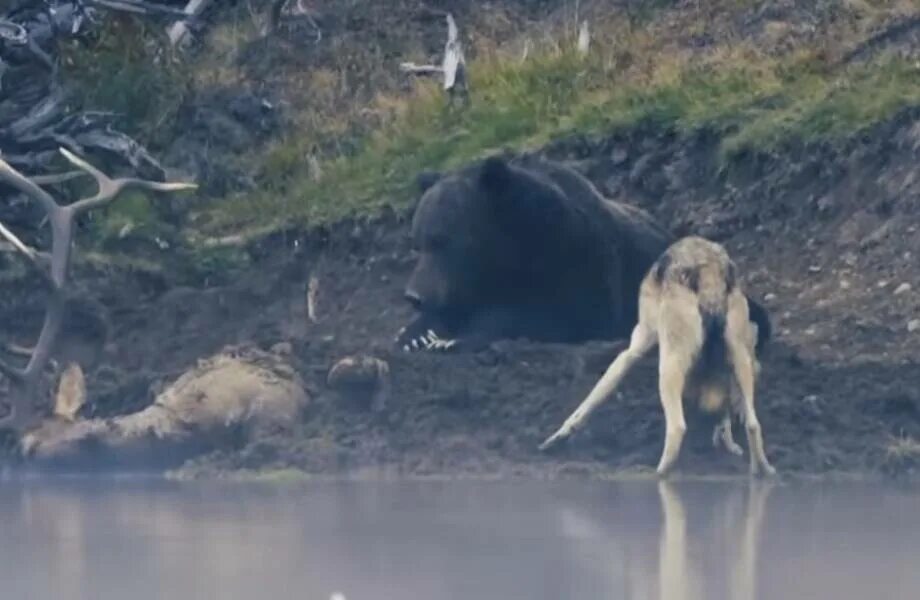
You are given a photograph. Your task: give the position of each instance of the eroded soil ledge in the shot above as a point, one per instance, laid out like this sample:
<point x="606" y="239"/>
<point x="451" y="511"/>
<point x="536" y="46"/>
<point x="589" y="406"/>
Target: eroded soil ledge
<point x="826" y="234"/>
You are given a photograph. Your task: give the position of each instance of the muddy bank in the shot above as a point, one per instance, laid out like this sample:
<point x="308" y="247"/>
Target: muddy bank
<point x="825" y="234"/>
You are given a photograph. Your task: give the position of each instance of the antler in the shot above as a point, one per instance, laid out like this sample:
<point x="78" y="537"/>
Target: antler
<point x="55" y="266"/>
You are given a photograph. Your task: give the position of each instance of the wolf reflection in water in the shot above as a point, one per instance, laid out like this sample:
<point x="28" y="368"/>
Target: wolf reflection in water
<point x="670" y="572"/>
<point x="98" y="539"/>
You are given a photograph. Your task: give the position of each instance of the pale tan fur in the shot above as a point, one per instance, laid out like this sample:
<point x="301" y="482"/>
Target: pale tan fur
<point x="670" y="315"/>
<point x="71" y="393"/>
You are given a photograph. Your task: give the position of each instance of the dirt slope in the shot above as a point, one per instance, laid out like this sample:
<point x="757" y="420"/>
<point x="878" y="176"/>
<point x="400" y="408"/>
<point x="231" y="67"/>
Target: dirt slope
<point x="825" y="235"/>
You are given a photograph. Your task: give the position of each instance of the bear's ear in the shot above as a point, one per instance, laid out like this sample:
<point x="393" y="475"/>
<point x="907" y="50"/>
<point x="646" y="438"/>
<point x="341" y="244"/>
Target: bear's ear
<point x="494" y="173"/>
<point x="426" y="179"/>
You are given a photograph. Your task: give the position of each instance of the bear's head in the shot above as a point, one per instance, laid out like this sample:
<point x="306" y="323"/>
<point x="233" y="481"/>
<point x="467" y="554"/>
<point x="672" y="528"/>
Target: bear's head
<point x="482" y="235"/>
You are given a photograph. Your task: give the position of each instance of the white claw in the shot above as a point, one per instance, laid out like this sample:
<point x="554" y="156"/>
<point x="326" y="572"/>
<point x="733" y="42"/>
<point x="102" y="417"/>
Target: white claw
<point x="436" y="343"/>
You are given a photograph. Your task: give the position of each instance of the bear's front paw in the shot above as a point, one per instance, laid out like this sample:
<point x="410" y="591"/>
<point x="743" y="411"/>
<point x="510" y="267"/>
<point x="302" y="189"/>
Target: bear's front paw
<point x="434" y="342"/>
<point x="429" y="340"/>
<point x="414" y="335"/>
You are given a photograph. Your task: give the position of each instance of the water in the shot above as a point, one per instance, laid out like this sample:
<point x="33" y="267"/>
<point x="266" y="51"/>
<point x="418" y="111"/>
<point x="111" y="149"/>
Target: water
<point x="100" y="539"/>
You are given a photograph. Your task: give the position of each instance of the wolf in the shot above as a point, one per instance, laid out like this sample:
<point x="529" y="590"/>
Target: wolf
<point x="692" y="305"/>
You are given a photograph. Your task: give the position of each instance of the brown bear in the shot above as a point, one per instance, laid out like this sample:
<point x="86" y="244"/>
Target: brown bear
<point x="527" y="248"/>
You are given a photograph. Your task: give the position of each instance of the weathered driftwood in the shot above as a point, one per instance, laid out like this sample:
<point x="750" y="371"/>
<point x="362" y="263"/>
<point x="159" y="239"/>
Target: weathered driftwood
<point x="35" y="118"/>
<point x="453" y="65"/>
<point x="239" y="394"/>
<point x="35" y="115"/>
<point x="179" y="31"/>
<point x="54" y="266"/>
<point x="584" y="39"/>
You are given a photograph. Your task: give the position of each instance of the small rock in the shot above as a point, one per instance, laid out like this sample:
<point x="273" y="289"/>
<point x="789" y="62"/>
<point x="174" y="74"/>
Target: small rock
<point x="362" y="376"/>
<point x="902" y="289"/>
<point x="844" y="284"/>
<point x="881" y="284"/>
<point x="825" y="203"/>
<point x="619" y="156"/>
<point x="641" y="167"/>
<point x="814" y="269"/>
<point x="876" y="237"/>
<point x="769" y="297"/>
<point x="282" y="349"/>
<point x="812" y="404"/>
<point x="913" y="325"/>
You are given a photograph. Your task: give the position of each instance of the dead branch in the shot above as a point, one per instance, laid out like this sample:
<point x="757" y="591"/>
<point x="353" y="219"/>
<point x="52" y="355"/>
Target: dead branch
<point x="452" y="67"/>
<point x="36" y="115"/>
<point x="179" y="31"/>
<point x="62" y="219"/>
<point x="414" y="69"/>
<point x="584" y="38"/>
<point x="312" y="293"/>
<point x="138" y="7"/>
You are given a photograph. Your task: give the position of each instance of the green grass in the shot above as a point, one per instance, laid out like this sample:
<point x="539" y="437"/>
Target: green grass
<point x="757" y="103"/>
<point x="128" y="68"/>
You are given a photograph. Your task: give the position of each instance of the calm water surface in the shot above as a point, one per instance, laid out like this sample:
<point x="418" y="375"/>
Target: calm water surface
<point x="137" y="539"/>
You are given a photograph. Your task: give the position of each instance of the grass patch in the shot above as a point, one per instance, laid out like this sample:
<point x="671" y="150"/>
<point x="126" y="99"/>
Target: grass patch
<point x="128" y="68"/>
<point x="357" y="141"/>
<point x="759" y="103"/>
<point x="815" y="107"/>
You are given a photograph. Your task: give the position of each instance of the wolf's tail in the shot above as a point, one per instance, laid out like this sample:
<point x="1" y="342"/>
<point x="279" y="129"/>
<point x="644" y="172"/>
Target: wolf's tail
<point x="713" y="352"/>
<point x="761" y="318"/>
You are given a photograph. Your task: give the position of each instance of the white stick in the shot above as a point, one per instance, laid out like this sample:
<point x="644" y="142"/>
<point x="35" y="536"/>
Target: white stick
<point x="178" y="30"/>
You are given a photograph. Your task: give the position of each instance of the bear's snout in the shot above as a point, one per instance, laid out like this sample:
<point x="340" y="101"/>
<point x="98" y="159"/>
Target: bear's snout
<point x="426" y="289"/>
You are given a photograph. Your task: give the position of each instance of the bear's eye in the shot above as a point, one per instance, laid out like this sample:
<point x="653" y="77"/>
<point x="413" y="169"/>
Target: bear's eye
<point x="436" y="242"/>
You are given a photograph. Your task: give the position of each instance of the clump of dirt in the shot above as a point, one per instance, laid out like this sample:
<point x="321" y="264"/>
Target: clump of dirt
<point x="824" y="233"/>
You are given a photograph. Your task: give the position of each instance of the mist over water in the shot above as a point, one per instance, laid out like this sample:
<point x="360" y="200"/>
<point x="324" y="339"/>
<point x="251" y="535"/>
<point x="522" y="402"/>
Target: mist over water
<point x="139" y="539"/>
